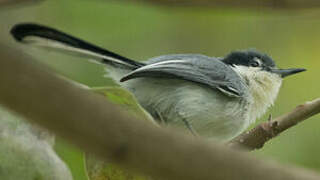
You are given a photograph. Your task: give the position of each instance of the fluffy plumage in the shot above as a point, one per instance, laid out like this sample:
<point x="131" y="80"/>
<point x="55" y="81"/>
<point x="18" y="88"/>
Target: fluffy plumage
<point x="263" y="87"/>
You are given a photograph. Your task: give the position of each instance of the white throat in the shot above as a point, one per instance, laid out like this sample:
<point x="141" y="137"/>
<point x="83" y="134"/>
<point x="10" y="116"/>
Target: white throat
<point x="263" y="86"/>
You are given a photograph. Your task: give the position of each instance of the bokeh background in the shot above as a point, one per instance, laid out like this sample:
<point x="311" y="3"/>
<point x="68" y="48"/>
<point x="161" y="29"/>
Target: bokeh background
<point x="141" y="31"/>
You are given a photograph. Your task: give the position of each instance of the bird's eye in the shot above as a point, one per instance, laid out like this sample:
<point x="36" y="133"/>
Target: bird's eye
<point x="255" y="63"/>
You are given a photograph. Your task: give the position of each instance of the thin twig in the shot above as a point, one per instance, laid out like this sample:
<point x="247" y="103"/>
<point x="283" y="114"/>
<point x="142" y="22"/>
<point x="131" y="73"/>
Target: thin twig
<point x="258" y="136"/>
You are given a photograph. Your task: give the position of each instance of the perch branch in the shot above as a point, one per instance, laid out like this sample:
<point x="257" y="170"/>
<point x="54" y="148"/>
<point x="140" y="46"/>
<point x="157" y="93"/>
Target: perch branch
<point x="100" y="127"/>
<point x="258" y="136"/>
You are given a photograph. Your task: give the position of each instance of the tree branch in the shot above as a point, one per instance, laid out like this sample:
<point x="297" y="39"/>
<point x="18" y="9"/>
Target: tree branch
<point x="100" y="127"/>
<point x="258" y="136"/>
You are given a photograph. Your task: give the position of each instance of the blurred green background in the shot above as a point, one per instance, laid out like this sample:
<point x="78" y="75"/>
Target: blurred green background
<point x="140" y="31"/>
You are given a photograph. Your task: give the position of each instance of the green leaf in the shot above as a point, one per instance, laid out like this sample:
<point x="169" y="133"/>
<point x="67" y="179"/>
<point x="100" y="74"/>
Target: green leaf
<point x="102" y="170"/>
<point x="73" y="157"/>
<point x="125" y="99"/>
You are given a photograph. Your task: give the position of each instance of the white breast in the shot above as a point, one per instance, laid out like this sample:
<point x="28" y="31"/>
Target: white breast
<point x="210" y="112"/>
<point x="264" y="87"/>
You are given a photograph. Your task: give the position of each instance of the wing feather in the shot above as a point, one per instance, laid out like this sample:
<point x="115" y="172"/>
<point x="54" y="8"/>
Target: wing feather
<point x="210" y="72"/>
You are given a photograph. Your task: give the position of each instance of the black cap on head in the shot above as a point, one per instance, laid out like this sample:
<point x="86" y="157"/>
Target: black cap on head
<point x="248" y="58"/>
<point x="253" y="58"/>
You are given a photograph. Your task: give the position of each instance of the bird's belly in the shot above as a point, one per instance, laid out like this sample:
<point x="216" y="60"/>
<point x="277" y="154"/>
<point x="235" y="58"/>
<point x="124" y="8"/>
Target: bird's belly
<point x="210" y="113"/>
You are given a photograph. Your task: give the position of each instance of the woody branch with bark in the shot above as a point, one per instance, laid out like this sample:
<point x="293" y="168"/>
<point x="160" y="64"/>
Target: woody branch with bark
<point x="258" y="136"/>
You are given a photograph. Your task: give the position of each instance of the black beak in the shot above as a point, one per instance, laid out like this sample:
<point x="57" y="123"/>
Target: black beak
<point x="287" y="72"/>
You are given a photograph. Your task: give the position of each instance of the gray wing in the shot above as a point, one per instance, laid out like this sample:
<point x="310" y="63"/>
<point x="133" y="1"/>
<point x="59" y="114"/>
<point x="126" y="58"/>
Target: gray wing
<point x="196" y="68"/>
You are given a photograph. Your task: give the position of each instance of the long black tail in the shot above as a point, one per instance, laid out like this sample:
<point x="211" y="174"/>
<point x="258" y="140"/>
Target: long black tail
<point x="39" y="35"/>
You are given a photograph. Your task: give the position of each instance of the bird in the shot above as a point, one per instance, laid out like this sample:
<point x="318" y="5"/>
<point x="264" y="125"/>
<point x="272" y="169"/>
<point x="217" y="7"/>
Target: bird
<point x="211" y="97"/>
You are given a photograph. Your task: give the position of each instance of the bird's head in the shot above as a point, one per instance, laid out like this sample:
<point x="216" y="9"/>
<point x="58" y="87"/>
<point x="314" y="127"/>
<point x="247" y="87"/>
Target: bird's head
<point x="261" y="75"/>
<point x="254" y="61"/>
